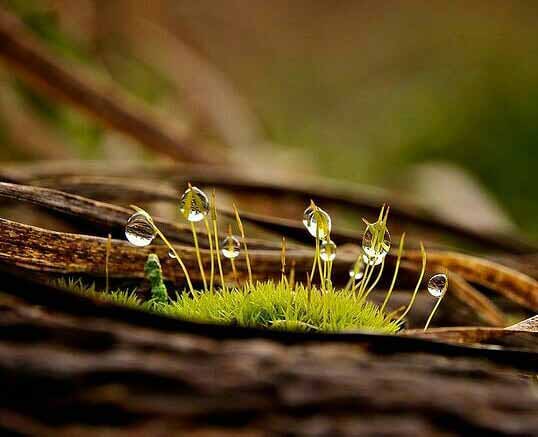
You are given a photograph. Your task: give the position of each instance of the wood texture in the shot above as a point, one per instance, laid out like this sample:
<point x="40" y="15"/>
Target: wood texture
<point x="329" y="193"/>
<point x="121" y="374"/>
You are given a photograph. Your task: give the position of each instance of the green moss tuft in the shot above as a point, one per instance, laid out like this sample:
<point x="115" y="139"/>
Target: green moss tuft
<point x="276" y="305"/>
<point x="120" y="297"/>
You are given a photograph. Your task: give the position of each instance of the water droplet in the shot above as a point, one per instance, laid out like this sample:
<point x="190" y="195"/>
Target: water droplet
<point x="437" y="285"/>
<point x="306" y="215"/>
<point x="358" y="275"/>
<point x="139" y="230"/>
<point x="171" y="254"/>
<point x="328" y="251"/>
<point x="357" y="270"/>
<point x="373" y="261"/>
<point x="311" y="219"/>
<point x="199" y="204"/>
<point x="373" y="244"/>
<point x="230" y="247"/>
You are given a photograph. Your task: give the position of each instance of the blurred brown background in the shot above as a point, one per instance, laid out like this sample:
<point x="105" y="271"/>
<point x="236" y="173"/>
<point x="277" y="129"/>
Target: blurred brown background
<point x="432" y="99"/>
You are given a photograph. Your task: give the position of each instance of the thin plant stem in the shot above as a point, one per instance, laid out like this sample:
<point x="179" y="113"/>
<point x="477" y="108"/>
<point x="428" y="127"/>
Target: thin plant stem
<point x="320" y="270"/>
<point x="211" y="254"/>
<point x="433" y="311"/>
<point x="234" y="271"/>
<point x="350" y="282"/>
<point x="315" y="262"/>
<point x="318" y="252"/>
<point x="365" y="278"/>
<point x="291" y="280"/>
<point x="283" y="260"/>
<point x="365" y="282"/>
<point x="395" y="312"/>
<point x="176" y="255"/>
<point x="107" y="261"/>
<point x="242" y="231"/>
<point x="393" y="283"/>
<point x="232" y="262"/>
<point x="330" y="271"/>
<point x="421" y="276"/>
<point x="198" y="254"/>
<point x="217" y="250"/>
<point x="216" y="235"/>
<point x="378" y="277"/>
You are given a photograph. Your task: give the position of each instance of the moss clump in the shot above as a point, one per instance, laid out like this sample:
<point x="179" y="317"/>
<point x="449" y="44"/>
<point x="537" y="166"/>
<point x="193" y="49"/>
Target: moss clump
<point x="120" y="297"/>
<point x="277" y="305"/>
<point x="265" y="304"/>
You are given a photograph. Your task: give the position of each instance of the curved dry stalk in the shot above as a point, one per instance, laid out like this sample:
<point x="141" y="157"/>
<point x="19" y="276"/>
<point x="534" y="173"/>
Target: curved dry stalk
<point x="481" y="305"/>
<point x="364" y="200"/>
<point x="106" y="216"/>
<point x="510" y="283"/>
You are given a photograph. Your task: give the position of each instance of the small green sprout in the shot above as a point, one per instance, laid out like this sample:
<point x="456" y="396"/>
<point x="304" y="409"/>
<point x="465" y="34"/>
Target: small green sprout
<point x="154" y="274"/>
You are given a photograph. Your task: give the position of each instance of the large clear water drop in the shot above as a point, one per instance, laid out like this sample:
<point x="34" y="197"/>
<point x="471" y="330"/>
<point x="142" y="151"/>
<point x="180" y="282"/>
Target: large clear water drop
<point x="328" y="251"/>
<point x="317" y="222"/>
<point x="376" y="240"/>
<point x="139" y="230"/>
<point x="437" y="285"/>
<point x="197" y="208"/>
<point x="230" y="247"/>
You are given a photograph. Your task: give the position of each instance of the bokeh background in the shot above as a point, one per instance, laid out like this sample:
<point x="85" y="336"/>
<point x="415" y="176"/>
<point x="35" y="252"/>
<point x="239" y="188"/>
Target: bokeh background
<point x="431" y="99"/>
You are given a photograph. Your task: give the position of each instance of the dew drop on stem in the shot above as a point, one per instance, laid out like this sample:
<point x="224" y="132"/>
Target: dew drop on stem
<point x="194" y="204"/>
<point x="230" y="247"/>
<point x="139" y="230"/>
<point x="437" y="285"/>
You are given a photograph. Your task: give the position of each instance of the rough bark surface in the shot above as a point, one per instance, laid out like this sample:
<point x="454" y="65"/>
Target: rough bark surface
<point x="76" y="373"/>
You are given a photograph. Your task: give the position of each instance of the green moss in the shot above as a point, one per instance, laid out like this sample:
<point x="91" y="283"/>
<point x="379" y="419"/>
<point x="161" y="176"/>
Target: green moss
<point x="120" y="297"/>
<point x="266" y="305"/>
<point x="276" y="305"/>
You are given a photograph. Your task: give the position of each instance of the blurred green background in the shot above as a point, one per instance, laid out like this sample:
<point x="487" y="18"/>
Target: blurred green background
<point x="432" y="99"/>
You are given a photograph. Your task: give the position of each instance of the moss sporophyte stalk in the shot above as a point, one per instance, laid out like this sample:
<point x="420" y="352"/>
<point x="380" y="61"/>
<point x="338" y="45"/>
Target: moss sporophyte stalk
<point x="286" y="304"/>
